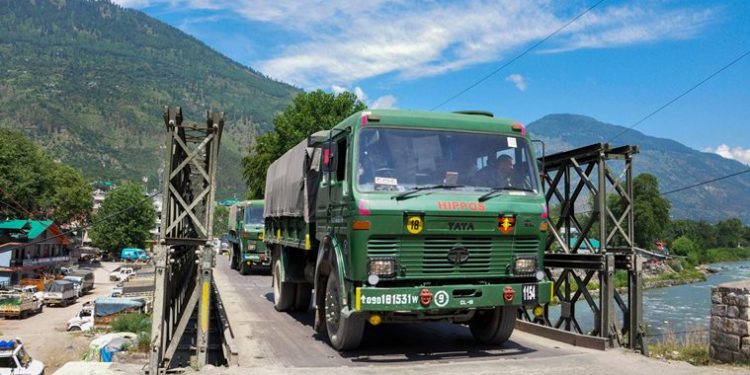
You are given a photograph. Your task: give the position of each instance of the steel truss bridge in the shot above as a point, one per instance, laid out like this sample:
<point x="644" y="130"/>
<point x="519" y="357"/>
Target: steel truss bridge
<point x="589" y="191"/>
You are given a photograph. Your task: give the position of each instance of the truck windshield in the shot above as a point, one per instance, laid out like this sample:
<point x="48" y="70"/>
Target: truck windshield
<point x="403" y="159"/>
<point x="254" y="215"/>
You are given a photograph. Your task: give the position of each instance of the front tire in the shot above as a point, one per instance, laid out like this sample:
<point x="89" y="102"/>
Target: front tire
<point x="233" y="257"/>
<point x="283" y="292"/>
<point x="344" y="333"/>
<point x="244" y="269"/>
<point x="495" y="326"/>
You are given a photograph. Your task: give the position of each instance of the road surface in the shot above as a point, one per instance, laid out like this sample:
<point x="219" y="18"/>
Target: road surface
<point x="271" y="342"/>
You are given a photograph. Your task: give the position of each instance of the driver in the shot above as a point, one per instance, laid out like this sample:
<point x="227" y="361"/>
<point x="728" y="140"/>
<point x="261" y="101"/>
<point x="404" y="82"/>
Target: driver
<point x="372" y="163"/>
<point x="503" y="171"/>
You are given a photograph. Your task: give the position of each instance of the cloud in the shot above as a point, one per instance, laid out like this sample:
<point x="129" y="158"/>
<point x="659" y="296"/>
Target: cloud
<point x="346" y="41"/>
<point x="338" y="89"/>
<point x="518" y="80"/>
<point x="740" y="154"/>
<point x="385" y="101"/>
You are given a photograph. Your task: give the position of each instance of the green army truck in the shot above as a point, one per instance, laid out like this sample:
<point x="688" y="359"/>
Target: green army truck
<point x="400" y="216"/>
<point x="246" y="236"/>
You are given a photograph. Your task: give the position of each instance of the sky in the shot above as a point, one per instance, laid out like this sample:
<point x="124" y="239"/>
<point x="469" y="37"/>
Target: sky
<point x="617" y="63"/>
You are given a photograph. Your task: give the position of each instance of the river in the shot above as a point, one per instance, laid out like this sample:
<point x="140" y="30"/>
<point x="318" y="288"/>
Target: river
<point x="687" y="308"/>
<point x="679" y="309"/>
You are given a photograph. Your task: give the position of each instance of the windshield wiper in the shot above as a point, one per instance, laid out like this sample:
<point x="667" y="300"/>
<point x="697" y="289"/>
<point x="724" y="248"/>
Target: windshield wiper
<point x="499" y="189"/>
<point x="410" y="193"/>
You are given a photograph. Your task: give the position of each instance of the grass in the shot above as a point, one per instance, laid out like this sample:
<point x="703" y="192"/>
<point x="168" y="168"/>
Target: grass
<point x="691" y="347"/>
<point x="138" y="323"/>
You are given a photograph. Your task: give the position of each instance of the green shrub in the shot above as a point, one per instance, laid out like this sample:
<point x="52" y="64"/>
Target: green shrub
<point x="134" y="322"/>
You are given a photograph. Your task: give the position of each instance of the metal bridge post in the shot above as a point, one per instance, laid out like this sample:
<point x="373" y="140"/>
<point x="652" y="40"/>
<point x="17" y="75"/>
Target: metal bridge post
<point x="575" y="179"/>
<point x="184" y="256"/>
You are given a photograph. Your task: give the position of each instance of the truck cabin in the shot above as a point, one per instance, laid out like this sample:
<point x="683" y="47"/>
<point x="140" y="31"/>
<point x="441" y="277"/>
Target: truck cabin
<point x="459" y="181"/>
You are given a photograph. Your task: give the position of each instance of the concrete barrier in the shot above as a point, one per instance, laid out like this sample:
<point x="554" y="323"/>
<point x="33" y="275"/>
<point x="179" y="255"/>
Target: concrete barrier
<point x="730" y="322"/>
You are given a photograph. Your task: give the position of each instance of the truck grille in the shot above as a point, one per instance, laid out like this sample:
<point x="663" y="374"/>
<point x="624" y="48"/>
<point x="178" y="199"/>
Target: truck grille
<point x="428" y="256"/>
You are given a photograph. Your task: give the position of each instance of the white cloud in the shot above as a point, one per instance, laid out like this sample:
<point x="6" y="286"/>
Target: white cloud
<point x="345" y="41"/>
<point x="385" y="101"/>
<point x="518" y="80"/>
<point x="338" y="89"/>
<point x="740" y="154"/>
<point x="360" y="94"/>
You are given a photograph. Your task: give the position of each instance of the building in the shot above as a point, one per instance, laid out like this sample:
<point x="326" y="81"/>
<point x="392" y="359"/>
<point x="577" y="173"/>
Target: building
<point x="29" y="248"/>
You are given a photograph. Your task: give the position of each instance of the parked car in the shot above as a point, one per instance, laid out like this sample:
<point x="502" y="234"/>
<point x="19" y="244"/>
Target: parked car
<point x="83" y="280"/>
<point x="133" y="254"/>
<point x="82" y="320"/>
<point x="121" y="274"/>
<point x="60" y="292"/>
<point x="14" y="359"/>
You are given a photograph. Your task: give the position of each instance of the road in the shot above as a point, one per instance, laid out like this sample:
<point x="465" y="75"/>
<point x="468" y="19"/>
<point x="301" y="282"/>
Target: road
<point x="44" y="335"/>
<point x="272" y="342"/>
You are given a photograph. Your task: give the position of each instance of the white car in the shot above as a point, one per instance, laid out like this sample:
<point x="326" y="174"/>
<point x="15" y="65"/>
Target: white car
<point x="15" y="361"/>
<point x="121" y="274"/>
<point x="83" y="320"/>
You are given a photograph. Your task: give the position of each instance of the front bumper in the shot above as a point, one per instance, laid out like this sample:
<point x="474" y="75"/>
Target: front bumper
<point x="256" y="258"/>
<point x="450" y="297"/>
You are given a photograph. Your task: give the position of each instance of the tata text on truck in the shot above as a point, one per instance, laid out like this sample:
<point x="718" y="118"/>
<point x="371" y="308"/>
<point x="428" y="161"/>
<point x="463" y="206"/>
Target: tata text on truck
<point x="397" y="216"/>
<point x="246" y="236"/>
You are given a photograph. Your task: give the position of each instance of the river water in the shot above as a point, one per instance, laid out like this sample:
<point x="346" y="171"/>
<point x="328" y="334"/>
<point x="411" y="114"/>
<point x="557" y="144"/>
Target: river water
<point x="687" y="308"/>
<point x="681" y="309"/>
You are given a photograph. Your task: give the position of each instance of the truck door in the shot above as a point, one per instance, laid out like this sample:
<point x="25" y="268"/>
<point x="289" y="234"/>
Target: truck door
<point x="336" y="191"/>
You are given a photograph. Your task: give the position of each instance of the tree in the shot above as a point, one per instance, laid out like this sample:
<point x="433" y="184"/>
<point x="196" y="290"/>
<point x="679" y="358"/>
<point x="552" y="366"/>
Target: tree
<point x="650" y="209"/>
<point x="31" y="184"/>
<point x="309" y="112"/>
<point x="684" y="246"/>
<point x="729" y="232"/>
<point x="124" y="219"/>
<point x="70" y="199"/>
<point x="221" y="220"/>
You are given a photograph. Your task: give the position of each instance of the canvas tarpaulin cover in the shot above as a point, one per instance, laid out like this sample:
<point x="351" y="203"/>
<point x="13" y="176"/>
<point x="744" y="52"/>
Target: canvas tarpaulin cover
<point x="292" y="182"/>
<point x="105" y="306"/>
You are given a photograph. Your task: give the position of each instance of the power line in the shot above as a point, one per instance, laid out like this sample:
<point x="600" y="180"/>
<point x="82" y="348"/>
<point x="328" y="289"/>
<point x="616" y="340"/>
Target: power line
<point x="18" y="205"/>
<point x="706" y="182"/>
<point x="678" y="97"/>
<point x="535" y="45"/>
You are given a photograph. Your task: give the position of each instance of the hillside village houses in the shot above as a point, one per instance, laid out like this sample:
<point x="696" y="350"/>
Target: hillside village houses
<point x="29" y="248"/>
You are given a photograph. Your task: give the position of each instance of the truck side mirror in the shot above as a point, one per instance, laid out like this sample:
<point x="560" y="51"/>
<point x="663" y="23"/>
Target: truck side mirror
<point x="330" y="156"/>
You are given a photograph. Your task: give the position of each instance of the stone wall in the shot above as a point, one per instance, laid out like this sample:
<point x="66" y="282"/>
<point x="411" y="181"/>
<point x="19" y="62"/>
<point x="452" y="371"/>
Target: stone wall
<point x="730" y="322"/>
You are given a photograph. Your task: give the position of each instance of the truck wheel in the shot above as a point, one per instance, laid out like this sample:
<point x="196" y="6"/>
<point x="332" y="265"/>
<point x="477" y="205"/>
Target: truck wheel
<point x="283" y="292"/>
<point x="24" y="314"/>
<point x="244" y="268"/>
<point x="344" y="333"/>
<point x="232" y="259"/>
<point x="493" y="326"/>
<point x="302" y="297"/>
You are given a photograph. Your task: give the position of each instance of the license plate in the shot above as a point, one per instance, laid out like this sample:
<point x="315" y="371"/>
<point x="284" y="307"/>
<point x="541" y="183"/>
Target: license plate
<point x="528" y="293"/>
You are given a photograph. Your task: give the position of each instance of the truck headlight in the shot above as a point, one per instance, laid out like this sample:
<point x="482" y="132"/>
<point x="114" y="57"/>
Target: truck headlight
<point x="524" y="266"/>
<point x="382" y="267"/>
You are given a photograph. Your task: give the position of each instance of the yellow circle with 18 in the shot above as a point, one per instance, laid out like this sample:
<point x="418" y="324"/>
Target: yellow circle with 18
<point x="414" y="224"/>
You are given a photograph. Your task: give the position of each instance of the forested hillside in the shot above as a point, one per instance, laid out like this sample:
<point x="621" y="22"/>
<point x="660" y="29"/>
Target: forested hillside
<point x="674" y="164"/>
<point x="88" y="79"/>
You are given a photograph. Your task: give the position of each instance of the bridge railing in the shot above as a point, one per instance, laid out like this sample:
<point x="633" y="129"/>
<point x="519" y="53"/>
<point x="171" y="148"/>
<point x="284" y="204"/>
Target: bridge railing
<point x="589" y="191"/>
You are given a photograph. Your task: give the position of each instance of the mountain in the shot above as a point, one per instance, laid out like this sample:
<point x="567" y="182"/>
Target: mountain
<point x="674" y="164"/>
<point x="88" y="80"/>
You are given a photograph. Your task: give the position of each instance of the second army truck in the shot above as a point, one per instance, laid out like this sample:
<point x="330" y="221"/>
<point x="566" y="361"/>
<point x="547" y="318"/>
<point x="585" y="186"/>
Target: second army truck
<point x="247" y="249"/>
<point x="400" y="216"/>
